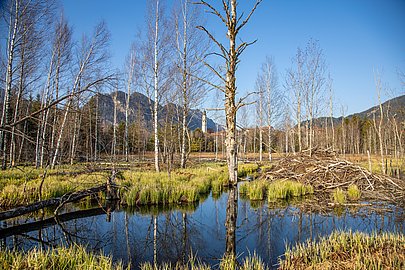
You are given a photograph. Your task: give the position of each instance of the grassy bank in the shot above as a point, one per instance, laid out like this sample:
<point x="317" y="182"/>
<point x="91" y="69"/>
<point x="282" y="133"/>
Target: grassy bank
<point x="21" y="186"/>
<point x="347" y="250"/>
<point x="74" y="257"/>
<point x="227" y="263"/>
<point x="340" y="250"/>
<point x="181" y="186"/>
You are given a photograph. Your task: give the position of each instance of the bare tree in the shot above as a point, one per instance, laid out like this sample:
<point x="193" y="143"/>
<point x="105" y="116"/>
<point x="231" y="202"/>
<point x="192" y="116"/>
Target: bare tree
<point x="234" y="23"/>
<point x="259" y="86"/>
<point x="191" y="46"/>
<point x="60" y="59"/>
<point x="378" y="128"/>
<point x="131" y="64"/>
<point x="154" y="65"/>
<point x="273" y="98"/>
<point x="330" y="87"/>
<point x="25" y="21"/>
<point x="307" y="81"/>
<point x="295" y="84"/>
<point x="92" y="56"/>
<point x="343" y="110"/>
<point x="314" y="83"/>
<point x="231" y="55"/>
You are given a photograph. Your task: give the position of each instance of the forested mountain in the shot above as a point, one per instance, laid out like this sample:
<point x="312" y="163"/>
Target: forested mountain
<point x="140" y="111"/>
<point x="392" y="107"/>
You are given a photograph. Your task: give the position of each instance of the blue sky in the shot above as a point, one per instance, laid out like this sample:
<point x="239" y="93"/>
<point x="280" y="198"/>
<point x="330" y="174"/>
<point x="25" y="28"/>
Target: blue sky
<point x="357" y="37"/>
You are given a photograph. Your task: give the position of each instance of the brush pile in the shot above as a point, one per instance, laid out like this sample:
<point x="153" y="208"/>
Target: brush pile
<point x="325" y="172"/>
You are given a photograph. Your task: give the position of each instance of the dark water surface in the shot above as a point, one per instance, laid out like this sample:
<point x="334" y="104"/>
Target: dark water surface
<point x="151" y="233"/>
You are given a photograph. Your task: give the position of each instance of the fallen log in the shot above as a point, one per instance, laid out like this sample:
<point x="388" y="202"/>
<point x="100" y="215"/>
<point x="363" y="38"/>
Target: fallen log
<point x="42" y="224"/>
<point x="66" y="198"/>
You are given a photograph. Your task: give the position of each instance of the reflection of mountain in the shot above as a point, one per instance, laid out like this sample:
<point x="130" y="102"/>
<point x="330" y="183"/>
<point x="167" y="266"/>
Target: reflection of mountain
<point x="140" y="110"/>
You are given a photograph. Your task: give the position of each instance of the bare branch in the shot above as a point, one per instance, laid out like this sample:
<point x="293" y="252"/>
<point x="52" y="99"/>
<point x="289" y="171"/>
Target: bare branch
<point x="248" y="17"/>
<point x="243" y="46"/>
<point x="213" y="10"/>
<point x="208" y="82"/>
<point x="241" y="103"/>
<point x="221" y="47"/>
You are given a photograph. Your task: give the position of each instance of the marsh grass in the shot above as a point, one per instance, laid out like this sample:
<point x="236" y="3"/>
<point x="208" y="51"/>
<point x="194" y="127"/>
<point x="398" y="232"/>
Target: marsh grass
<point x="226" y="263"/>
<point x="248" y="169"/>
<point x="192" y="263"/>
<point x="75" y="257"/>
<point x="339" y="196"/>
<point x="287" y="189"/>
<point x="278" y="190"/>
<point x="248" y="263"/>
<point x="353" y="193"/>
<point x="182" y="186"/>
<point x="256" y="190"/>
<point x="20" y="187"/>
<point x="348" y="250"/>
<point x="15" y="191"/>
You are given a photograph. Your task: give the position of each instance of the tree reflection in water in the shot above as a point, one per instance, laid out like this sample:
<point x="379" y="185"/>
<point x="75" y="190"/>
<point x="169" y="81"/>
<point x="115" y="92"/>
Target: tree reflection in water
<point x="158" y="234"/>
<point x="230" y="222"/>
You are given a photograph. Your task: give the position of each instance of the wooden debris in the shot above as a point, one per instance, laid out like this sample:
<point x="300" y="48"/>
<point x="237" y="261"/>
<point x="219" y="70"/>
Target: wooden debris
<point x="325" y="172"/>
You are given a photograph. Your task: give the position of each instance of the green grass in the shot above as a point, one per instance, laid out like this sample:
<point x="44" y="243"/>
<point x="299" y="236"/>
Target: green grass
<point x="21" y="186"/>
<point x="248" y="263"/>
<point x="286" y="189"/>
<point x="353" y="193"/>
<point x="74" y="257"/>
<point x="247" y="169"/>
<point x="339" y="196"/>
<point x="226" y="263"/>
<point x="14" y="191"/>
<point x="281" y="189"/>
<point x="256" y="190"/>
<point x="347" y="250"/>
<point x="182" y="186"/>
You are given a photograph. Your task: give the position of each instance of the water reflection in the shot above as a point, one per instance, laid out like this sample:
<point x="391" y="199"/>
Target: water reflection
<point x="158" y="234"/>
<point x="230" y="222"/>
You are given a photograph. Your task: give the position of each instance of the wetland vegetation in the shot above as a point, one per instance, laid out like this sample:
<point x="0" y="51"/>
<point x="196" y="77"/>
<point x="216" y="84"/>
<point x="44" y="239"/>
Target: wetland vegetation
<point x="173" y="210"/>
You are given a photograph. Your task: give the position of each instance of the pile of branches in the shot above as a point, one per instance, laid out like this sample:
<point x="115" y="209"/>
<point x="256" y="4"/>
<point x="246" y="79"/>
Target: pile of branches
<point x="325" y="172"/>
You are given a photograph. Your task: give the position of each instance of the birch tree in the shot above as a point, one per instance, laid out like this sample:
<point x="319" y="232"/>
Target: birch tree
<point x="273" y="99"/>
<point x="306" y="81"/>
<point x="92" y="56"/>
<point x="24" y="21"/>
<point x="154" y="66"/>
<point x="191" y="47"/>
<point x="131" y="65"/>
<point x="378" y="128"/>
<point x="314" y="82"/>
<point x="294" y="84"/>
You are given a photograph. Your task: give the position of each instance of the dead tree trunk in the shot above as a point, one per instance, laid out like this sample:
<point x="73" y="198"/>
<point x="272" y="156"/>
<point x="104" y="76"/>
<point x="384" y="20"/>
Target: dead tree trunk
<point x="234" y="24"/>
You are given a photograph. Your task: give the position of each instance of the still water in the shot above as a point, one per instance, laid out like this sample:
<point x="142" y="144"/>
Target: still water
<point x="169" y="235"/>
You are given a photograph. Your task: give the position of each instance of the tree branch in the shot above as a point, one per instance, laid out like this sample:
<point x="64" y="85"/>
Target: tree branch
<point x="248" y="17"/>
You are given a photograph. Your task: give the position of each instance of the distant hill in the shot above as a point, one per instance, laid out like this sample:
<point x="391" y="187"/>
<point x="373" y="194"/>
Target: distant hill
<point x="140" y="109"/>
<point x="395" y="106"/>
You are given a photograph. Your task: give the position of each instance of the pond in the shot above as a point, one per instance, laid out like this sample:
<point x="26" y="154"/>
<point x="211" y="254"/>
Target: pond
<point x="169" y="235"/>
